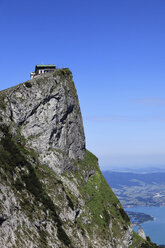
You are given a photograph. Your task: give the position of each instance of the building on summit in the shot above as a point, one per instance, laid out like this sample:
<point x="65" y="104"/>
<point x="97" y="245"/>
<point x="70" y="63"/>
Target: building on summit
<point x="42" y="69"/>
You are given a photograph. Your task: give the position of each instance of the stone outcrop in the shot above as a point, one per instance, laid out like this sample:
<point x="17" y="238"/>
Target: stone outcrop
<point x="47" y="111"/>
<point x="52" y="193"/>
<point x="141" y="233"/>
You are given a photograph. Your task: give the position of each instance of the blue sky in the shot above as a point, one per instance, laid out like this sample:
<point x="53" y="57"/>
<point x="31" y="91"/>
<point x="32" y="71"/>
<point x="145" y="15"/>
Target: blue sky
<point x="115" y="50"/>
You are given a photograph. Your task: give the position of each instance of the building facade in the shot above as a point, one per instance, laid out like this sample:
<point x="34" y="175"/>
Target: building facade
<point x="42" y="69"/>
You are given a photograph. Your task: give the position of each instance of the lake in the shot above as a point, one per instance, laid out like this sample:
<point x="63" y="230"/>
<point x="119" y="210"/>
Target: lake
<point x="154" y="229"/>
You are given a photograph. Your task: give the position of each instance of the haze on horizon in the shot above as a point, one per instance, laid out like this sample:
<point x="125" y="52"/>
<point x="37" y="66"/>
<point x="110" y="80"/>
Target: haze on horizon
<point x="115" y="50"/>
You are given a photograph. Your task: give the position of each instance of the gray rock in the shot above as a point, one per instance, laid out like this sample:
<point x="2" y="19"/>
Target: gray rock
<point x="141" y="233"/>
<point x="48" y="116"/>
<point x="89" y="174"/>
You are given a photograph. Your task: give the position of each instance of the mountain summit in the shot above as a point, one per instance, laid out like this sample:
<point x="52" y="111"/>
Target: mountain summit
<point x="51" y="189"/>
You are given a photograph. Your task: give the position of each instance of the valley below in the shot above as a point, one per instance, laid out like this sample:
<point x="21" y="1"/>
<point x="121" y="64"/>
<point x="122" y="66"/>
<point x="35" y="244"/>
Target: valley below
<point x="143" y="198"/>
<point x="135" y="189"/>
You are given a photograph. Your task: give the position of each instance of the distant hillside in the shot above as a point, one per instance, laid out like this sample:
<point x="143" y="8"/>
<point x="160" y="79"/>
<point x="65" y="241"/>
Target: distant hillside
<point x="135" y="189"/>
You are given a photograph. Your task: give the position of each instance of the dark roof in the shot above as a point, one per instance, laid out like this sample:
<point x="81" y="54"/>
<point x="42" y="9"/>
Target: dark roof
<point x="45" y="66"/>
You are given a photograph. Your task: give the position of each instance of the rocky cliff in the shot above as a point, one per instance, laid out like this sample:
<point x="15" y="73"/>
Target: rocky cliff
<point x="52" y="193"/>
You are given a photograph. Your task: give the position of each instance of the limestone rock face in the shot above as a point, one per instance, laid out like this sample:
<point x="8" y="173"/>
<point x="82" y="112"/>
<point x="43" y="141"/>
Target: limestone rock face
<point x="47" y="112"/>
<point x="52" y="192"/>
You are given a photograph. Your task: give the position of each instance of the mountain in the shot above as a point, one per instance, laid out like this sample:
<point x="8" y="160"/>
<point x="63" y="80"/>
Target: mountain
<point x="51" y="189"/>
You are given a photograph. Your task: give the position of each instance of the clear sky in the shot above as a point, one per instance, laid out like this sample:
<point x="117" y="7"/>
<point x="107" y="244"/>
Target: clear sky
<point x="116" y="51"/>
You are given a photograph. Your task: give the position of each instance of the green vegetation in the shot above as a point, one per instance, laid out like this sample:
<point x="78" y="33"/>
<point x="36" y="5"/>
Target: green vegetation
<point x="2" y="102"/>
<point x="65" y="74"/>
<point x="138" y="242"/>
<point x="100" y="200"/>
<point x="103" y="204"/>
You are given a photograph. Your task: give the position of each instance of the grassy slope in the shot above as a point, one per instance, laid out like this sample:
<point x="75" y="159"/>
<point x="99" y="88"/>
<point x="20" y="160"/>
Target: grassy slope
<point x="100" y="199"/>
<point x="138" y="242"/>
